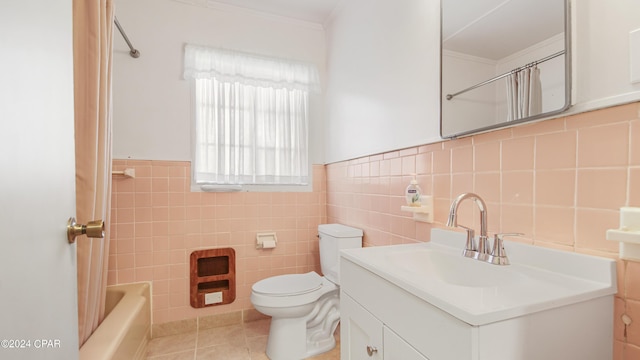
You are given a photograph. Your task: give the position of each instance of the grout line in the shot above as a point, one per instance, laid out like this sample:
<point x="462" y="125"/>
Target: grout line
<point x="534" y="218"/>
<point x="575" y="190"/>
<point x="195" y="350"/>
<point x="629" y="155"/>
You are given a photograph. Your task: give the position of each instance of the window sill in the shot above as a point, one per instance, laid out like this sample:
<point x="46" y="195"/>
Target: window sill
<point x="250" y="188"/>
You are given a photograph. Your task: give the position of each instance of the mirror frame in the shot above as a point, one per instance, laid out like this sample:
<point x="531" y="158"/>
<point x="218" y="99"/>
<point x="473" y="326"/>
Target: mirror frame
<point x="567" y="81"/>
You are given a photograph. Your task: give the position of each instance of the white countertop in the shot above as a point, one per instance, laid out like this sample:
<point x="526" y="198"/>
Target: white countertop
<point x="479" y="293"/>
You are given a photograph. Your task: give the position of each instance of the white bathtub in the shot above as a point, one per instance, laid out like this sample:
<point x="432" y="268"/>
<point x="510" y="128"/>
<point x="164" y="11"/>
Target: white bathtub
<point x="126" y="329"/>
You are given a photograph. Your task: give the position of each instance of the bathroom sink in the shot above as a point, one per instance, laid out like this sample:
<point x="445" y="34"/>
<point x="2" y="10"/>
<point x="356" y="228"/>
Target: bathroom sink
<point x="452" y="269"/>
<point x="478" y="292"/>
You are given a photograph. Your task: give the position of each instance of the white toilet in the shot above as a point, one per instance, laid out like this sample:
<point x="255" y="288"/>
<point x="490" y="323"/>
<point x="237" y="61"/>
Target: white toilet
<point x="305" y="308"/>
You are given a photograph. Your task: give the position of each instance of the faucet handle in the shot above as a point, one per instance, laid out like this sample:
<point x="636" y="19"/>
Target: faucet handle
<point x="470" y="249"/>
<point x="498" y="255"/>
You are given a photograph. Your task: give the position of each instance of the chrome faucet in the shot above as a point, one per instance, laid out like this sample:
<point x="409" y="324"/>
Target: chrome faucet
<point x="482" y="251"/>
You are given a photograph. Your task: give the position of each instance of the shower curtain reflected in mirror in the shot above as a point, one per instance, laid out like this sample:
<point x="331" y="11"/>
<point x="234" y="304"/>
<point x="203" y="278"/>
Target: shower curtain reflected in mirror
<point x="92" y="42"/>
<point x="524" y="93"/>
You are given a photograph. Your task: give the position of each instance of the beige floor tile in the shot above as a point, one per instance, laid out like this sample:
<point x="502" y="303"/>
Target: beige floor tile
<point x="257" y="344"/>
<point x="183" y="355"/>
<point x="171" y="344"/>
<point x="223" y="352"/>
<point x="246" y="341"/>
<point x="257" y="328"/>
<point x="232" y="335"/>
<point x="259" y="356"/>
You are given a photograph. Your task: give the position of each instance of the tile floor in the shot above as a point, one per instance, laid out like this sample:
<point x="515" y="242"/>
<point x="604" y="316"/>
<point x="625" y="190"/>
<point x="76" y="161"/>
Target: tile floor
<point x="245" y="341"/>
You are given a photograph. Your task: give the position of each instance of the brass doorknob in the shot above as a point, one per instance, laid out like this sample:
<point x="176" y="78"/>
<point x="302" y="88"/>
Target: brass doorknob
<point x="93" y="229"/>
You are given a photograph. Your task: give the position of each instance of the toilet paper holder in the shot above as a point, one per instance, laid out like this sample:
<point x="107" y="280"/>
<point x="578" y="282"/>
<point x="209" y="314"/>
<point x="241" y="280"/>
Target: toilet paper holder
<point x="266" y="240"/>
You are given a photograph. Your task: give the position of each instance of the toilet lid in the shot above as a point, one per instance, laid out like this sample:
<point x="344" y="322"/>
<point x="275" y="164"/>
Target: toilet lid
<point x="290" y="284"/>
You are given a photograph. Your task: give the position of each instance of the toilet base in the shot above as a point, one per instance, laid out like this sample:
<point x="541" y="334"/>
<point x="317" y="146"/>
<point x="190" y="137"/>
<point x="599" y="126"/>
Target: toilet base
<point x="321" y="346"/>
<point x="300" y="338"/>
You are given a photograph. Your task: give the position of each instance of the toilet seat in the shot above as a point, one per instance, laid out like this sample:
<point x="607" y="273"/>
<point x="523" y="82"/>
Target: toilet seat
<point x="289" y="284"/>
<point x="290" y="290"/>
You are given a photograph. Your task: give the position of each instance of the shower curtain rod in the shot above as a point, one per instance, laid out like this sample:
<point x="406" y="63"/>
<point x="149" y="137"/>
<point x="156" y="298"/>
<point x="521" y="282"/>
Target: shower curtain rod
<point x="133" y="52"/>
<point x="451" y="96"/>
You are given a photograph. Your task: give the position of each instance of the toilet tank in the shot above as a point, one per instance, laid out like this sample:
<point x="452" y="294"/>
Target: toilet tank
<point x="333" y="238"/>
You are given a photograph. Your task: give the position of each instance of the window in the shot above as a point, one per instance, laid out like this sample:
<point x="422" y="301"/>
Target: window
<point x="250" y="118"/>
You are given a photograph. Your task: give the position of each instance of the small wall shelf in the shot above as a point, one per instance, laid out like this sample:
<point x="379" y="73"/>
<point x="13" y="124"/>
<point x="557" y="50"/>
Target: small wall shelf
<point x="628" y="234"/>
<point x="128" y="173"/>
<point x="423" y="213"/>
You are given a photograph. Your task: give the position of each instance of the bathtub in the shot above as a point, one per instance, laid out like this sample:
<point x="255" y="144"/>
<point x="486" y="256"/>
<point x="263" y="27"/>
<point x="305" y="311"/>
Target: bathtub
<point x="126" y="329"/>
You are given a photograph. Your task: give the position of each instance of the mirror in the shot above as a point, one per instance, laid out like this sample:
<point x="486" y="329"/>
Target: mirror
<point x="503" y="63"/>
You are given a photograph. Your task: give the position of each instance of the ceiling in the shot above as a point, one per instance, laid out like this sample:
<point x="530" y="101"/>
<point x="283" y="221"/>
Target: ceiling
<point x="491" y="29"/>
<point x="315" y="11"/>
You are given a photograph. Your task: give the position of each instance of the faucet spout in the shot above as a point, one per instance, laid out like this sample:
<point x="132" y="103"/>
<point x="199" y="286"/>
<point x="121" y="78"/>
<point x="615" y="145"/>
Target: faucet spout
<point x="453" y="212"/>
<point x="483" y="246"/>
<point x="453" y="218"/>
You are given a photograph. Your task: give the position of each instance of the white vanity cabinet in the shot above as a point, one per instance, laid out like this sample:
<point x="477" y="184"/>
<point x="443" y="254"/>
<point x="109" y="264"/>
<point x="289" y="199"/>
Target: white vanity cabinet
<point x="386" y="314"/>
<point x="395" y="348"/>
<point x="361" y="333"/>
<point x="376" y="313"/>
<point x="363" y="336"/>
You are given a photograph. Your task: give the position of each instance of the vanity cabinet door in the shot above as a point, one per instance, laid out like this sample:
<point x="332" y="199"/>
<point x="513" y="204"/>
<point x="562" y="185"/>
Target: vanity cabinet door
<point x="395" y="348"/>
<point x="360" y="332"/>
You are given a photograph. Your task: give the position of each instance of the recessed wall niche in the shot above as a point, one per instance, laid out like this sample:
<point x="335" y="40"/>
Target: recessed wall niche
<point x="213" y="277"/>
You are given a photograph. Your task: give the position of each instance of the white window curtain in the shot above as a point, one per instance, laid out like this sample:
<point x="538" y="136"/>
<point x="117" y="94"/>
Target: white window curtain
<point x="251" y="117"/>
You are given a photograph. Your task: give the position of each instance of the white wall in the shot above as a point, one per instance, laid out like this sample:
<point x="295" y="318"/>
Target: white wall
<point x="601" y="50"/>
<point x="367" y="117"/>
<point x="382" y="70"/>
<point x="151" y="101"/>
<point x="384" y="75"/>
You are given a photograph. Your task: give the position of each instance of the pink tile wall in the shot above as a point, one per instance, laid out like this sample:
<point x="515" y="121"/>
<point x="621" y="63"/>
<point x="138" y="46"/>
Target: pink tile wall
<point x="560" y="182"/>
<point x="157" y="222"/>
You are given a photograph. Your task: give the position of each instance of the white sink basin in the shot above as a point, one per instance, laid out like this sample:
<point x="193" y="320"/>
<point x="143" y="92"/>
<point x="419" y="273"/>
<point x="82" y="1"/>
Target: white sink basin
<point x="480" y="293"/>
<point x="452" y="269"/>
